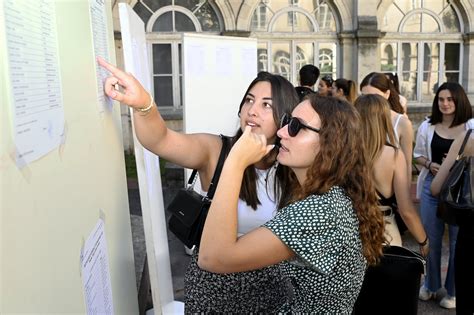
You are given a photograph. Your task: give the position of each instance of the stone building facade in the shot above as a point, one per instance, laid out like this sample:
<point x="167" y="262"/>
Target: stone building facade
<point x="426" y="42"/>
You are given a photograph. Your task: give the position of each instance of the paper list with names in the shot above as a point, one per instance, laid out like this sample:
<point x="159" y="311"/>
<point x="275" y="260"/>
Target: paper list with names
<point x="95" y="273"/>
<point x="32" y="50"/>
<point x="99" y="36"/>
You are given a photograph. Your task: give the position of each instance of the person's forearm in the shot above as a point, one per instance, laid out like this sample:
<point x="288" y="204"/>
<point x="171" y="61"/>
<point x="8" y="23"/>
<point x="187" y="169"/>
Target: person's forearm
<point x="150" y="128"/>
<point x="220" y="230"/>
<point x="414" y="225"/>
<point x="423" y="161"/>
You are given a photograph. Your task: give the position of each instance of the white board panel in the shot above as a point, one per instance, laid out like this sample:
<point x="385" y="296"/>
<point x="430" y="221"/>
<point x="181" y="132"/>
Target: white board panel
<point x="49" y="207"/>
<point x="217" y="72"/>
<point x="148" y="171"/>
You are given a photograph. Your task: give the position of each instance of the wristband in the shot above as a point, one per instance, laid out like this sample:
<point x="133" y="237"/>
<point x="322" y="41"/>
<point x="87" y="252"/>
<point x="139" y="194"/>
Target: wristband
<point x="145" y="110"/>
<point x="429" y="165"/>
<point x="424" y="242"/>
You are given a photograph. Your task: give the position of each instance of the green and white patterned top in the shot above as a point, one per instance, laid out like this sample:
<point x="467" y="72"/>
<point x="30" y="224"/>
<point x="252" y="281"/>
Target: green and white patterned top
<point x="329" y="267"/>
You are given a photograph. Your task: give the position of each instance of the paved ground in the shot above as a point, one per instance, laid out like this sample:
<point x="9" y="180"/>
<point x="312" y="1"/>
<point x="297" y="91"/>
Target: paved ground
<point x="179" y="259"/>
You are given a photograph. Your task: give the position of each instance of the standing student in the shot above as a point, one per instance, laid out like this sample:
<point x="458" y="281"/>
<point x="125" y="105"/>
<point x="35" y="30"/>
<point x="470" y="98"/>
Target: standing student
<point x="344" y="90"/>
<point x="378" y="83"/>
<point x="266" y="100"/>
<point x="450" y="115"/>
<point x="309" y="74"/>
<point x="389" y="170"/>
<point x="332" y="227"/>
<point x="464" y="254"/>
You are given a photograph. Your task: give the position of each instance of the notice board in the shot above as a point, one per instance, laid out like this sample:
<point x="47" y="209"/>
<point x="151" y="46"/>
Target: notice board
<point x="62" y="170"/>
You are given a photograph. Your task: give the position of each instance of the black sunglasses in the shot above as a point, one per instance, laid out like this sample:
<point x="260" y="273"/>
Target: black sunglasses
<point x="295" y="125"/>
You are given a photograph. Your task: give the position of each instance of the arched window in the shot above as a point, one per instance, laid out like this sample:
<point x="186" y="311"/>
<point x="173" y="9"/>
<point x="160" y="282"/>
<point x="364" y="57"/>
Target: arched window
<point x="292" y="33"/>
<point x="165" y="20"/>
<point x="423" y="43"/>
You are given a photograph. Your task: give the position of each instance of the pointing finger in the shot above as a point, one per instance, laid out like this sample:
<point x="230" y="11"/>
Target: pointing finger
<point x="112" y="69"/>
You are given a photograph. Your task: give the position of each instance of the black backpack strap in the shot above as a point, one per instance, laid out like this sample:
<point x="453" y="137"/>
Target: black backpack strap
<point x="220" y="164"/>
<point x="461" y="150"/>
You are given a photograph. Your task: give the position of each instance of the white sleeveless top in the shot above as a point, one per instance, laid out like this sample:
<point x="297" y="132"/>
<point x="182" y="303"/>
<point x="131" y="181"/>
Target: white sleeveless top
<point x="395" y="126"/>
<point x="248" y="218"/>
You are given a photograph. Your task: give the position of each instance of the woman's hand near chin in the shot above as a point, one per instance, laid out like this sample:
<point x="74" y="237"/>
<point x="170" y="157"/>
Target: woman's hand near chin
<point x="249" y="149"/>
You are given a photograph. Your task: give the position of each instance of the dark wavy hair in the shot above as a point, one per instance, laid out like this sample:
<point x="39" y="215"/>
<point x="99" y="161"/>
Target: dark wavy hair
<point x="284" y="99"/>
<point x="381" y="82"/>
<point x="463" y="107"/>
<point x="342" y="161"/>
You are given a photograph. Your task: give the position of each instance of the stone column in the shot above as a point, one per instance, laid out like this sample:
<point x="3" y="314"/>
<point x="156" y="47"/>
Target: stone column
<point x="368" y="56"/>
<point x="467" y="67"/>
<point x="347" y="59"/>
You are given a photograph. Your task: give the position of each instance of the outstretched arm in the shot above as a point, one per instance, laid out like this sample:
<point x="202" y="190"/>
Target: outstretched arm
<point x="191" y="151"/>
<point x="220" y="250"/>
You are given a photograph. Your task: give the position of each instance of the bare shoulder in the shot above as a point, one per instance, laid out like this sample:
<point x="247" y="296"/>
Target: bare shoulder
<point x="405" y="123"/>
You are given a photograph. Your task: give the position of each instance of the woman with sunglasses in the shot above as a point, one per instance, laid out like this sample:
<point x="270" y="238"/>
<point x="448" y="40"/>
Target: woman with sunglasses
<point x="266" y="99"/>
<point x="389" y="170"/>
<point x="325" y="85"/>
<point x="329" y="230"/>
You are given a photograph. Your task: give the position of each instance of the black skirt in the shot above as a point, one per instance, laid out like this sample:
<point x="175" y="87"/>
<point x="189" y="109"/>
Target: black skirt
<point x="258" y="291"/>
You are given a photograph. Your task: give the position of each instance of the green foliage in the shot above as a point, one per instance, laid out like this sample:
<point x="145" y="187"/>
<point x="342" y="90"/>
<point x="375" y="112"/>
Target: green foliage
<point x="130" y="165"/>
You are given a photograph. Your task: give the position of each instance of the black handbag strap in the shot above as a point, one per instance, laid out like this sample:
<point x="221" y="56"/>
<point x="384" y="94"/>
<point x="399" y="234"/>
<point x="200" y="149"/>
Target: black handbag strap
<point x="217" y="172"/>
<point x="461" y="150"/>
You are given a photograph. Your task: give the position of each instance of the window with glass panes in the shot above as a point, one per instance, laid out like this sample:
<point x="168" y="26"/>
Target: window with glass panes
<point x="423" y="44"/>
<point x="313" y="39"/>
<point x="165" y="20"/>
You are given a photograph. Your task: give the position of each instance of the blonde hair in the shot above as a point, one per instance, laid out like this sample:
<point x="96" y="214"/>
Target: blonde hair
<point x="377" y="126"/>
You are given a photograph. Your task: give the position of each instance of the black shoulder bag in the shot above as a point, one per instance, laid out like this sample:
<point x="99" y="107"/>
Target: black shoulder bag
<point x="456" y="202"/>
<point x="189" y="209"/>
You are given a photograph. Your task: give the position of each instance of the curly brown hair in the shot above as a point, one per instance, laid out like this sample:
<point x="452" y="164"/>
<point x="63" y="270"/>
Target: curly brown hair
<point x="341" y="161"/>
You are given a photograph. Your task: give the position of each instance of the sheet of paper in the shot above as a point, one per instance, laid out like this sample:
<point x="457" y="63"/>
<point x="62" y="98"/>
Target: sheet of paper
<point x="99" y="36"/>
<point x="223" y="57"/>
<point x="96" y="274"/>
<point x="32" y="50"/>
<point x="197" y="60"/>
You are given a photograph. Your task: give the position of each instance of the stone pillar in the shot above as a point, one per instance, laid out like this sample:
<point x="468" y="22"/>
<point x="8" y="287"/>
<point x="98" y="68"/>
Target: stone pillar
<point x="347" y="58"/>
<point x="467" y="67"/>
<point x="368" y="57"/>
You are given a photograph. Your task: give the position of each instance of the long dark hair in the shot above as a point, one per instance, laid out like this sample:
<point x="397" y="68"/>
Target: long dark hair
<point x="463" y="107"/>
<point x="284" y="99"/>
<point x="381" y="82"/>
<point x="342" y="161"/>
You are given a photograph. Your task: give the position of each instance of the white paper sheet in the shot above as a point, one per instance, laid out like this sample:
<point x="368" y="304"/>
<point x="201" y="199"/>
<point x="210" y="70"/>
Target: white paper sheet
<point x="32" y="50"/>
<point x="96" y="274"/>
<point x="99" y="36"/>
